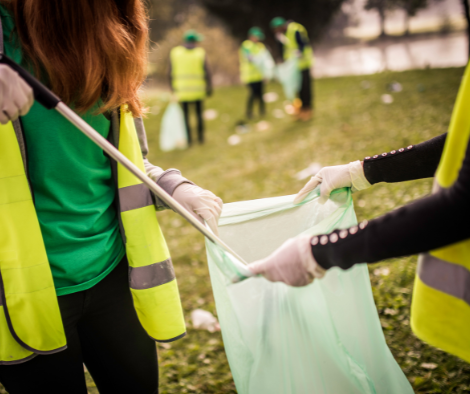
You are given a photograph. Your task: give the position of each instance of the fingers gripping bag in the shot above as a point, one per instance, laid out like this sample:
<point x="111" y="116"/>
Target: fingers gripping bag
<point x="324" y="338"/>
<point x="173" y="129"/>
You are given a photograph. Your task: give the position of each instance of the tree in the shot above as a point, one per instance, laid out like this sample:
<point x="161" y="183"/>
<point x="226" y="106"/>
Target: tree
<point x="466" y="8"/>
<point x="411" y="8"/>
<point x="382" y="6"/>
<point x="240" y="15"/>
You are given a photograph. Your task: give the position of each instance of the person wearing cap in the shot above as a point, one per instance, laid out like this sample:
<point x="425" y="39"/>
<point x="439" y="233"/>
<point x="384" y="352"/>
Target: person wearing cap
<point x="294" y="43"/>
<point x="250" y="73"/>
<point x="190" y="79"/>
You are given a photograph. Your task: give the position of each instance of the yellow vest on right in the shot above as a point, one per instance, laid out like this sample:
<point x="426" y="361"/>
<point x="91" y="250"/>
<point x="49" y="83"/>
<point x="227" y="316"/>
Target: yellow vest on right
<point x="291" y="46"/>
<point x="249" y="72"/>
<point x="440" y="311"/>
<point x="187" y="73"/>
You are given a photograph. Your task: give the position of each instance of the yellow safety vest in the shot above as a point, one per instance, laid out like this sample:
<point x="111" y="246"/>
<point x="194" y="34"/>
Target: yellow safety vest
<point x="187" y="73"/>
<point x="440" y="311"/>
<point x="30" y="320"/>
<point x="249" y="72"/>
<point x="291" y="46"/>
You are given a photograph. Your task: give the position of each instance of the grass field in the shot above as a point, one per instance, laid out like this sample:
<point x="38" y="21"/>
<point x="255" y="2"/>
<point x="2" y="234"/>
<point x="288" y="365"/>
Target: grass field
<point x="350" y="123"/>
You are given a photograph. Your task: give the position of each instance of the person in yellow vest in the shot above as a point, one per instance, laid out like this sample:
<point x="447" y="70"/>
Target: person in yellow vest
<point x="190" y="79"/>
<point x="435" y="226"/>
<point x="294" y="43"/>
<point x="85" y="273"/>
<point x="250" y="72"/>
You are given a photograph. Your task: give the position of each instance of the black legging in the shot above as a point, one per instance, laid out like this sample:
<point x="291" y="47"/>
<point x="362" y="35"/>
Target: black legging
<point x="306" y="93"/>
<point x="256" y="93"/>
<point x="200" y="120"/>
<point x="103" y="333"/>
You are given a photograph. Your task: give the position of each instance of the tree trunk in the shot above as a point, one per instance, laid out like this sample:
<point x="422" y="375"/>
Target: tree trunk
<point x="466" y="8"/>
<point x="381" y="10"/>
<point x="407" y="24"/>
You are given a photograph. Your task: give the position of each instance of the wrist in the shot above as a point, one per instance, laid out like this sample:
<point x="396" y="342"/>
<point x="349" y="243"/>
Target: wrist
<point x="358" y="178"/>
<point x="308" y="260"/>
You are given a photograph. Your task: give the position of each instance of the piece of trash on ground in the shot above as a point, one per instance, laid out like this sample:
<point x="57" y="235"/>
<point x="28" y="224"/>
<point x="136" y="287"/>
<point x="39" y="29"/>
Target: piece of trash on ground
<point x="382" y="271"/>
<point x="270" y="97"/>
<point x="290" y="109"/>
<point x="262" y="126"/>
<point x="210" y="114"/>
<point x="204" y="320"/>
<point x="428" y="365"/>
<point x="234" y="139"/>
<point x="386" y="99"/>
<point x="395" y="87"/>
<point x="278" y="113"/>
<point x="311" y="170"/>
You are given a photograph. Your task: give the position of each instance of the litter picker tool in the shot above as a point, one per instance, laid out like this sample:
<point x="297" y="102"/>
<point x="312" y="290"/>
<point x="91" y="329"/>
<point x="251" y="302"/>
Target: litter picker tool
<point x="50" y="101"/>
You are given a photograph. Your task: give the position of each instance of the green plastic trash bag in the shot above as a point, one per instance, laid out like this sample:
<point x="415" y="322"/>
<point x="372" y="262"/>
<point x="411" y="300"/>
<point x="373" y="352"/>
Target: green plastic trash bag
<point x="288" y="74"/>
<point x="324" y="338"/>
<point x="173" y="129"/>
<point x="265" y="63"/>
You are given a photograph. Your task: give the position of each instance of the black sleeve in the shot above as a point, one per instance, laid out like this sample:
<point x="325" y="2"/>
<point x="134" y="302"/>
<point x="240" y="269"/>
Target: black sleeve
<point x="405" y="164"/>
<point x="170" y="77"/>
<point x="300" y="42"/>
<point x="427" y="224"/>
<point x="281" y="48"/>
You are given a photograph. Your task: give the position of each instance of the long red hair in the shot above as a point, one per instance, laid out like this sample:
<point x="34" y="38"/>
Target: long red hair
<point x="86" y="50"/>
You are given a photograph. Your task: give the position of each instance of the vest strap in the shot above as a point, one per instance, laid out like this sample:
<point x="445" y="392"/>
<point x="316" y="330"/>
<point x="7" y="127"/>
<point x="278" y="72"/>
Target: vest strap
<point x="452" y="279"/>
<point x="134" y="197"/>
<point x="153" y="275"/>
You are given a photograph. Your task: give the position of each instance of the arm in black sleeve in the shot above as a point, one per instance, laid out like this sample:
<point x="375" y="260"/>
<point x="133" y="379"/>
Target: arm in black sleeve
<point x="300" y="42"/>
<point x="427" y="224"/>
<point x="405" y="164"/>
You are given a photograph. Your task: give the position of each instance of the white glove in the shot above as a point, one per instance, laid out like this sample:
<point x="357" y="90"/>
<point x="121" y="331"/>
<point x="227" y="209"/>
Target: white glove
<point x="336" y="177"/>
<point x="16" y="96"/>
<point x="203" y="204"/>
<point x="293" y="263"/>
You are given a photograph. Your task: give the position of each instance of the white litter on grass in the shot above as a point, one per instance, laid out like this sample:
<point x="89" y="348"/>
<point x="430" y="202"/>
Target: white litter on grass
<point x="395" y="87"/>
<point x="234" y="139"/>
<point x="428" y="365"/>
<point x="382" y="271"/>
<point x="262" y="126"/>
<point x="210" y="114"/>
<point x="289" y="108"/>
<point x="387" y="99"/>
<point x="242" y="129"/>
<point x="204" y="320"/>
<point x="311" y="170"/>
<point x="278" y="113"/>
<point x="270" y="97"/>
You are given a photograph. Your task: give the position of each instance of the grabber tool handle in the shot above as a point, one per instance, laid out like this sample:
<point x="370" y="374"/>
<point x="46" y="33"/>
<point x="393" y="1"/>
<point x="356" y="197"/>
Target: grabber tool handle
<point x="50" y="101"/>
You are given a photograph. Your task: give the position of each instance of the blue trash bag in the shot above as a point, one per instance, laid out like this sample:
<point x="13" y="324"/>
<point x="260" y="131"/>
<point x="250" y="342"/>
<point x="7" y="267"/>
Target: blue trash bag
<point x="288" y="74"/>
<point x="173" y="129"/>
<point x="324" y="338"/>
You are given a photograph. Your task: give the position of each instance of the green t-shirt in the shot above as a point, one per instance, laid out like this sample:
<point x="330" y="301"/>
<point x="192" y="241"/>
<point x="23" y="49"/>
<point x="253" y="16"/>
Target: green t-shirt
<point x="73" y="191"/>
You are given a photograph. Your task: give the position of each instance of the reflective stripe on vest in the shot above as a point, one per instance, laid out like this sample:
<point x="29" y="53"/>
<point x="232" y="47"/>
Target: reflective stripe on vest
<point x="187" y="72"/>
<point x="151" y="276"/>
<point x="440" y="311"/>
<point x="291" y="46"/>
<point x="30" y="320"/>
<point x="249" y="72"/>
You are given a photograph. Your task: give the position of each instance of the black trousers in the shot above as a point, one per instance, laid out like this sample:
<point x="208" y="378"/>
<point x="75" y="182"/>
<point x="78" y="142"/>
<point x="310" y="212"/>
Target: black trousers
<point x="256" y="94"/>
<point x="306" y="94"/>
<point x="103" y="333"/>
<point x="200" y="121"/>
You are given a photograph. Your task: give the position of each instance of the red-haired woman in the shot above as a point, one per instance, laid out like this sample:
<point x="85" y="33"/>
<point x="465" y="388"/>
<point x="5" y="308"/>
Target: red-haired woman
<point x="85" y="275"/>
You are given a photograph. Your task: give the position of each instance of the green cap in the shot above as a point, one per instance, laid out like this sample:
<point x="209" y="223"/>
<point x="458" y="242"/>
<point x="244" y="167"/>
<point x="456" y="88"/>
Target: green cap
<point x="278" y="21"/>
<point x="192" y="36"/>
<point x="257" y="32"/>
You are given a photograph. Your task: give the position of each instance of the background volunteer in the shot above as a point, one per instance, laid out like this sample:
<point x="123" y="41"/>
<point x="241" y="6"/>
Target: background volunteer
<point x="294" y="42"/>
<point x="250" y="73"/>
<point x="438" y="223"/>
<point x="74" y="194"/>
<point x="190" y="79"/>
